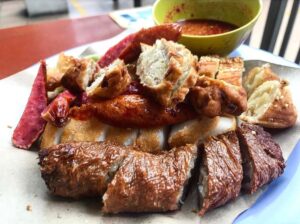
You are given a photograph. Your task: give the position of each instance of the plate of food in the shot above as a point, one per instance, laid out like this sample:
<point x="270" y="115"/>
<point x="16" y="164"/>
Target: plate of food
<point x="147" y="132"/>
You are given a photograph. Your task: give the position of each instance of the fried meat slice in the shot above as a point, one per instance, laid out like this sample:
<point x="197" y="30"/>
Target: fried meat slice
<point x="221" y="171"/>
<point x="81" y="169"/>
<point x="270" y="103"/>
<point x="231" y="70"/>
<point x="77" y="77"/>
<point x="208" y="66"/>
<point x="197" y="130"/>
<point x="212" y="97"/>
<point x="152" y="140"/>
<point x="262" y="157"/>
<point x="167" y="70"/>
<point x="150" y="183"/>
<point x="258" y="76"/>
<point x="83" y="130"/>
<point x="111" y="81"/>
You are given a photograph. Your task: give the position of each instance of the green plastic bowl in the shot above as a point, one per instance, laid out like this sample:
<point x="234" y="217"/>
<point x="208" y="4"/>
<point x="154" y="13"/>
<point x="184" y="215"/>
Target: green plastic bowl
<point x="242" y="13"/>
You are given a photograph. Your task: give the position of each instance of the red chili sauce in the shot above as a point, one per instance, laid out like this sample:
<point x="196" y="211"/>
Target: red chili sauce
<point x="204" y="26"/>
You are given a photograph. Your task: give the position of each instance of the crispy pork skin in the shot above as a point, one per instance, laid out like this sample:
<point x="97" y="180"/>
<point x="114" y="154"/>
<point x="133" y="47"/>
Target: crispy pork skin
<point x="150" y="183"/>
<point x="262" y="157"/>
<point x="82" y="169"/>
<point x="221" y="171"/>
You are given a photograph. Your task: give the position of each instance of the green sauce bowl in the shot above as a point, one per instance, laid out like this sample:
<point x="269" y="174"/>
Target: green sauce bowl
<point x="242" y="13"/>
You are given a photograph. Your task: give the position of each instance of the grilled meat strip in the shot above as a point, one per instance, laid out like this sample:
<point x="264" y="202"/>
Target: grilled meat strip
<point x="262" y="157"/>
<point x="221" y="171"/>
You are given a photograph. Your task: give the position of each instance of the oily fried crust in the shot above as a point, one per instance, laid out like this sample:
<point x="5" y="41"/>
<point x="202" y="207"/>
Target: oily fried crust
<point x="282" y="113"/>
<point x="261" y="154"/>
<point x="211" y="97"/>
<point x="150" y="183"/>
<point x="134" y="111"/>
<point x="148" y="36"/>
<point x="80" y="169"/>
<point x="222" y="162"/>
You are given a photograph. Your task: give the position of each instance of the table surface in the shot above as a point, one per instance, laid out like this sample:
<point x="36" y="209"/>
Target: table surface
<point x="21" y="47"/>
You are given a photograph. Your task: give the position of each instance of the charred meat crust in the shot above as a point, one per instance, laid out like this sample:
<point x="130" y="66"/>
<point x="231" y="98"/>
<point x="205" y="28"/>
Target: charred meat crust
<point x="262" y="157"/>
<point x="221" y="171"/>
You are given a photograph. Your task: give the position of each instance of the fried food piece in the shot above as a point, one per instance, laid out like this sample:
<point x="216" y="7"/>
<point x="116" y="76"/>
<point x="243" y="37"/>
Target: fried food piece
<point x="148" y="36"/>
<point x="221" y="171"/>
<point x="81" y="169"/>
<point x="270" y="102"/>
<point x="55" y="74"/>
<point x="196" y="130"/>
<point x="258" y="76"/>
<point x="271" y="105"/>
<point x="121" y="136"/>
<point x="111" y="81"/>
<point x="211" y="97"/>
<point x="152" y="140"/>
<point x="167" y="70"/>
<point x="208" y="66"/>
<point x="134" y="111"/>
<point x="231" y="70"/>
<point x="77" y="77"/>
<point x="51" y="136"/>
<point x="87" y="130"/>
<point x="262" y="157"/>
<point x="150" y="183"/>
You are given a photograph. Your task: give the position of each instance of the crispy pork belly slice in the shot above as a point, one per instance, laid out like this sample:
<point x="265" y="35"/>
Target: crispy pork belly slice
<point x="261" y="155"/>
<point x="121" y="136"/>
<point x="231" y="70"/>
<point x="221" y="171"/>
<point x="152" y="140"/>
<point x="83" y="130"/>
<point x="258" y="76"/>
<point x="81" y="169"/>
<point x="271" y="105"/>
<point x="111" y="81"/>
<point x="208" y="66"/>
<point x="51" y="136"/>
<point x="77" y="77"/>
<point x="212" y="97"/>
<point x="150" y="183"/>
<point x="167" y="70"/>
<point x="195" y="131"/>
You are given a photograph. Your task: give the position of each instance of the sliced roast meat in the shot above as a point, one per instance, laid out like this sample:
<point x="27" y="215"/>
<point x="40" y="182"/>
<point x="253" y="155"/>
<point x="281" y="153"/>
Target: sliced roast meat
<point x="150" y="183"/>
<point x="262" y="157"/>
<point x="221" y="171"/>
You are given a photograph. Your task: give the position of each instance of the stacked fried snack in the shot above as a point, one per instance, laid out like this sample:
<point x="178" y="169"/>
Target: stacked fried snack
<point x="136" y="126"/>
